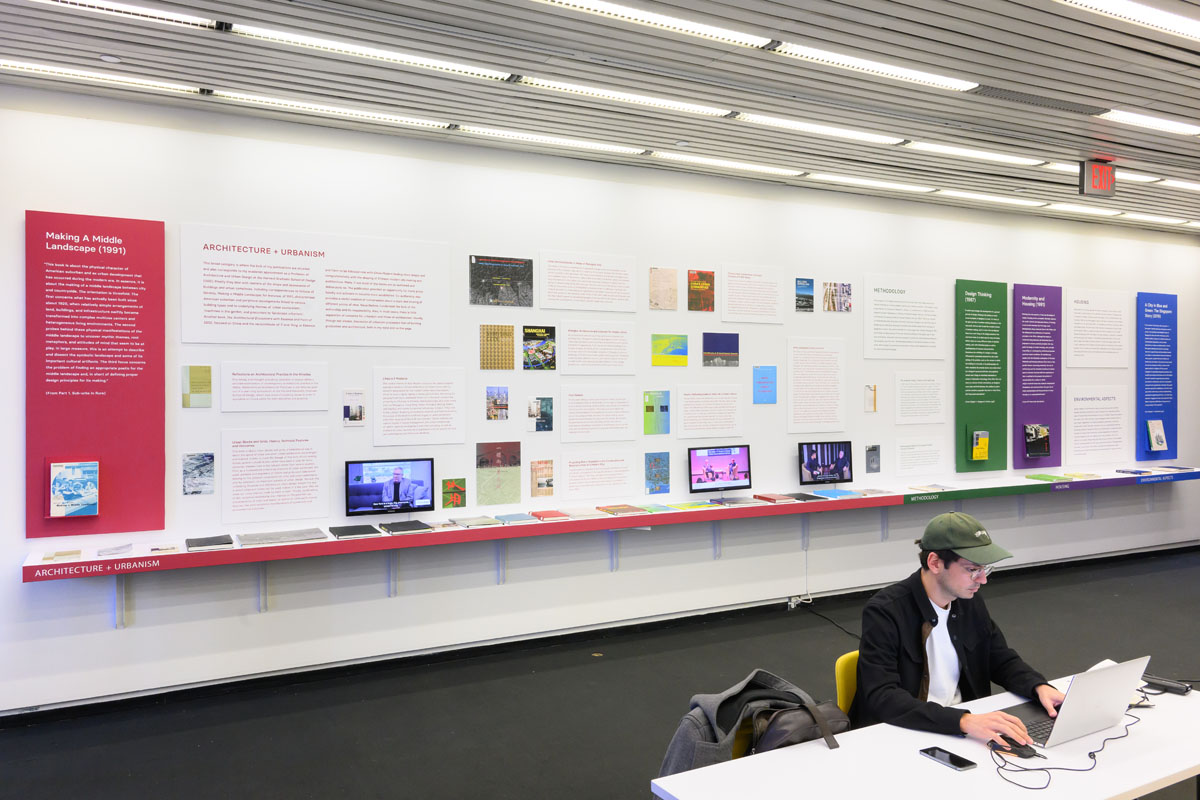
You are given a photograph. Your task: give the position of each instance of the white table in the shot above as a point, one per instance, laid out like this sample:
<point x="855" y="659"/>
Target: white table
<point x="882" y="761"/>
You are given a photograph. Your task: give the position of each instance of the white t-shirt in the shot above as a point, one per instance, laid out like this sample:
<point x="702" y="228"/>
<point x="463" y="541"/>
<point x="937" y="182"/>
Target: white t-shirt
<point x="943" y="662"/>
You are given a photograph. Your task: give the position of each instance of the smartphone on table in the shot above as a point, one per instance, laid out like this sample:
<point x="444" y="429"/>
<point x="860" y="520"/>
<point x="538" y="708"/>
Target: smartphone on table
<point x="951" y="760"/>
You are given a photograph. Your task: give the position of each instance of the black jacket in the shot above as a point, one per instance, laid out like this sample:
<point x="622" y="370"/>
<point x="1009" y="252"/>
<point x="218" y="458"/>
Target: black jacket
<point x="893" y="678"/>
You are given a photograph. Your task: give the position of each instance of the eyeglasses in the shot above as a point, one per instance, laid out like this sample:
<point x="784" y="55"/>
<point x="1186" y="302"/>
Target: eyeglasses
<point x="975" y="571"/>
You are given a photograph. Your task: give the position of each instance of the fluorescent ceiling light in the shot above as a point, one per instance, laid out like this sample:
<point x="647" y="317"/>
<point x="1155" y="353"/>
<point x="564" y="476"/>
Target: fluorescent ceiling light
<point x="135" y="12"/>
<point x="821" y="130"/>
<point x="345" y="48"/>
<point x="330" y="111"/>
<point x="674" y="24"/>
<point x="966" y="152"/>
<point x="1141" y="15"/>
<point x="624" y="97"/>
<point x="1153" y="218"/>
<point x="988" y="198"/>
<point x="1060" y="166"/>
<point x="873" y="67"/>
<point x="1192" y="225"/>
<point x="1122" y="175"/>
<point x="873" y="184"/>
<point x="723" y="164"/>
<point x="556" y="141"/>
<point x="1174" y="184"/>
<point x="1145" y="121"/>
<point x="47" y="71"/>
<point x="1074" y="209"/>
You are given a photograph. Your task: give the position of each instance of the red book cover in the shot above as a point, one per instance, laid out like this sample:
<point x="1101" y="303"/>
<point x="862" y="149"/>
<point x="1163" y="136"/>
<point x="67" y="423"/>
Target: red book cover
<point x="775" y="498"/>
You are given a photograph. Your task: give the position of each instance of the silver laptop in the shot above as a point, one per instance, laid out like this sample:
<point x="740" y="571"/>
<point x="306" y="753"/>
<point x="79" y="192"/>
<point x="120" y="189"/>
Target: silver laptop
<point x="1095" y="700"/>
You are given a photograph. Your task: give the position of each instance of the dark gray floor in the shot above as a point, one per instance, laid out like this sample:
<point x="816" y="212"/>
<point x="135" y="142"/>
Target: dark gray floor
<point x="584" y="717"/>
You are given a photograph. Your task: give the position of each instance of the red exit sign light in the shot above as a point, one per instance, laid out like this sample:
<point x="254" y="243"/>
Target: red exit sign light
<point x="1097" y="178"/>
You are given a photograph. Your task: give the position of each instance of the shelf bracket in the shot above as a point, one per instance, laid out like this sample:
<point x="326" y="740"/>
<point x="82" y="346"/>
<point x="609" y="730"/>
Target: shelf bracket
<point x="716" y="537"/>
<point x="1088" y="504"/>
<point x="614" y="550"/>
<point x="804" y="532"/>
<point x="501" y="561"/>
<point x="393" y="573"/>
<point x="883" y="524"/>
<point x="958" y="506"/>
<point x="262" y="587"/>
<point x="119" y="602"/>
<point x="1020" y="506"/>
<point x="1150" y="506"/>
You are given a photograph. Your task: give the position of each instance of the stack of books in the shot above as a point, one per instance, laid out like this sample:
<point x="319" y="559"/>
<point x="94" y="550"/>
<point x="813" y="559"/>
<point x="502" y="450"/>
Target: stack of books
<point x="583" y="513"/>
<point x="620" y="510"/>
<point x="354" y="531"/>
<point x="222" y="542"/>
<point x="405" y="526"/>
<point x="771" y="497"/>
<point x="474" y="522"/>
<point x="516" y="518"/>
<point x="550" y="515"/>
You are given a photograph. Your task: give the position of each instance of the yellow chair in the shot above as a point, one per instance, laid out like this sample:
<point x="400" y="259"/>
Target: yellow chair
<point x="845" y="676"/>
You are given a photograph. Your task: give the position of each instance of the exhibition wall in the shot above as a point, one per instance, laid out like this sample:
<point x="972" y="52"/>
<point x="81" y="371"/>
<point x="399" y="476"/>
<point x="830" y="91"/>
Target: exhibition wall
<point x="67" y="641"/>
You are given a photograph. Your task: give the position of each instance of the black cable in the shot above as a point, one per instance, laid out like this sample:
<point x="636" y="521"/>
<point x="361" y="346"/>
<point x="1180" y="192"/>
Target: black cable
<point x="830" y="620"/>
<point x="1003" y="765"/>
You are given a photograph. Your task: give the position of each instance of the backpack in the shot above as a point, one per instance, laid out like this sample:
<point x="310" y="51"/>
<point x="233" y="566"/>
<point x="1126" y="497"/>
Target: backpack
<point x="762" y="712"/>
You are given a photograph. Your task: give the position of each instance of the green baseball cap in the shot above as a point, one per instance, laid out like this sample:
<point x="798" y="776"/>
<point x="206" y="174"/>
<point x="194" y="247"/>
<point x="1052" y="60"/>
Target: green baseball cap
<point x="963" y="535"/>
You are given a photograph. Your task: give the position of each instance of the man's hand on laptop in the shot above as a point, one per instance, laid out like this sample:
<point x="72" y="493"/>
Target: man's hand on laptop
<point x="994" y="725"/>
<point x="1050" y="698"/>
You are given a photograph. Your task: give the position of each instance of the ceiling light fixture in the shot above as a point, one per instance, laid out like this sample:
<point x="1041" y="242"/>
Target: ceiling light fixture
<point x="623" y="97"/>
<point x="723" y="164"/>
<point x="988" y="198"/>
<point x="1146" y="121"/>
<point x="556" y="141"/>
<point x="47" y="71"/>
<point x="329" y="111"/>
<point x="869" y="183"/>
<point x="1141" y="15"/>
<point x="873" y="67"/>
<point x="135" y="12"/>
<point x="1153" y="218"/>
<point x="663" y="22"/>
<point x="1074" y="209"/>
<point x="1174" y="184"/>
<point x="374" y="53"/>
<point x="966" y="152"/>
<point x="821" y="130"/>
<point x="1192" y="225"/>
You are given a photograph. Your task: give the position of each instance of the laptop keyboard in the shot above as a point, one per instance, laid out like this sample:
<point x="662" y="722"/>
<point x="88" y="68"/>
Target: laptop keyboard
<point x="1040" y="731"/>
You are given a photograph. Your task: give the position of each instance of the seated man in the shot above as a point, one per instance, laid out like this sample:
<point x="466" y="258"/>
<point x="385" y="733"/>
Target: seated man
<point x="398" y="490"/>
<point x="928" y="643"/>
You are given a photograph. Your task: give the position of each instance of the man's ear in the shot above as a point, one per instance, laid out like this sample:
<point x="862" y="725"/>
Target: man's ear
<point x="936" y="565"/>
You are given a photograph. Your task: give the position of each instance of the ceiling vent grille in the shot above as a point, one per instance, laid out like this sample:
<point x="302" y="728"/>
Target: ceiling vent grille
<point x="1025" y="98"/>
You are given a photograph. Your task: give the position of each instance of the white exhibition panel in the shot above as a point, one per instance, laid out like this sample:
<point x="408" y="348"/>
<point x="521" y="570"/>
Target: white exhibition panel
<point x="89" y="155"/>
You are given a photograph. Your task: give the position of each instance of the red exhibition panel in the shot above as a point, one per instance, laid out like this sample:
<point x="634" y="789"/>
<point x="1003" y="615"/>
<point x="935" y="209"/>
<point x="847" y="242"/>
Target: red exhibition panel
<point x="95" y="386"/>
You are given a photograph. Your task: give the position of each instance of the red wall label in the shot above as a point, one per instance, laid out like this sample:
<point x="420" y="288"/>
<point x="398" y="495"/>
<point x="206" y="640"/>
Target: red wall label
<point x="94" y="367"/>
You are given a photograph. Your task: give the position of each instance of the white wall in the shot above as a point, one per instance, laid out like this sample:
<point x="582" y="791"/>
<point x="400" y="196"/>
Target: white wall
<point x="66" y="153"/>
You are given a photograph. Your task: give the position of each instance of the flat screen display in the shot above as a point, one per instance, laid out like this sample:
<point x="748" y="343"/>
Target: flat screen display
<point x="825" y="462"/>
<point x="389" y="487"/>
<point x="714" y="469"/>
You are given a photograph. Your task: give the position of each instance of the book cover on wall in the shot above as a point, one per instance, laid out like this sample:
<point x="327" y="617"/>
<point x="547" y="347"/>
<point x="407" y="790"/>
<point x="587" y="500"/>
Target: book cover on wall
<point x="979" y="445"/>
<point x="1158" y="436"/>
<point x="497" y="281"/>
<point x="668" y="350"/>
<point x="870" y="398"/>
<point x="454" y="492"/>
<point x="981" y="327"/>
<point x="656" y="412"/>
<point x="539" y="414"/>
<point x="197" y="385"/>
<point x="497" y="473"/>
<point x="497" y="403"/>
<point x="804" y="294"/>
<point x="664" y="289"/>
<point x="658" y="473"/>
<point x="495" y="346"/>
<point x="74" y="489"/>
<point x="1037" y="441"/>
<point x="765" y="383"/>
<point x="872" y="460"/>
<point x="354" y="408"/>
<point x="537" y="347"/>
<point x="199" y="473"/>
<point x="836" y="297"/>
<point x="541" y="478"/>
<point x="702" y="294"/>
<point x="721" y="349"/>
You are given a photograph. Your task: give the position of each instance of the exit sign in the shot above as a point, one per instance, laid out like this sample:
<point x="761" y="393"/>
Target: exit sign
<point x="1097" y="178"/>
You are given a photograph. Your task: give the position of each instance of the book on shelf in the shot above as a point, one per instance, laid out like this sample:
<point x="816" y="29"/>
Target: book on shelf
<point x="479" y="521"/>
<point x="932" y="487"/>
<point x="445" y="525"/>
<point x="771" y="497"/>
<point x="1081" y="476"/>
<point x="835" y="494"/>
<point x="584" y="513"/>
<point x="221" y="542"/>
<point x="61" y="555"/>
<point x="620" y="509"/>
<point x="656" y="508"/>
<point x="281" y="537"/>
<point x="405" y="526"/>
<point x="874" y="492"/>
<point x="1171" y="468"/>
<point x="163" y="549"/>
<point x="1134" y="471"/>
<point x="1045" y="476"/>
<point x="516" y="518"/>
<point x="115" y="550"/>
<point x="550" y="515"/>
<point x="804" y="497"/>
<point x="693" y="505"/>
<point x="354" y="531"/>
<point x="741" y="501"/>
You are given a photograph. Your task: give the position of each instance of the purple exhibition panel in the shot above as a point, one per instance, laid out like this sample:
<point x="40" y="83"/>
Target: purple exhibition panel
<point x="1037" y="376"/>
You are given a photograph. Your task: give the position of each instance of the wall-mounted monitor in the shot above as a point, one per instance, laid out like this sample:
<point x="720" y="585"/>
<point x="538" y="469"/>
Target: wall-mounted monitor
<point x="825" y="462"/>
<point x="714" y="469"/>
<point x="389" y="486"/>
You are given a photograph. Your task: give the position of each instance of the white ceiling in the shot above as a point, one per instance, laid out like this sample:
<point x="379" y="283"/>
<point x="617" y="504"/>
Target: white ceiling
<point x="1045" y="70"/>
